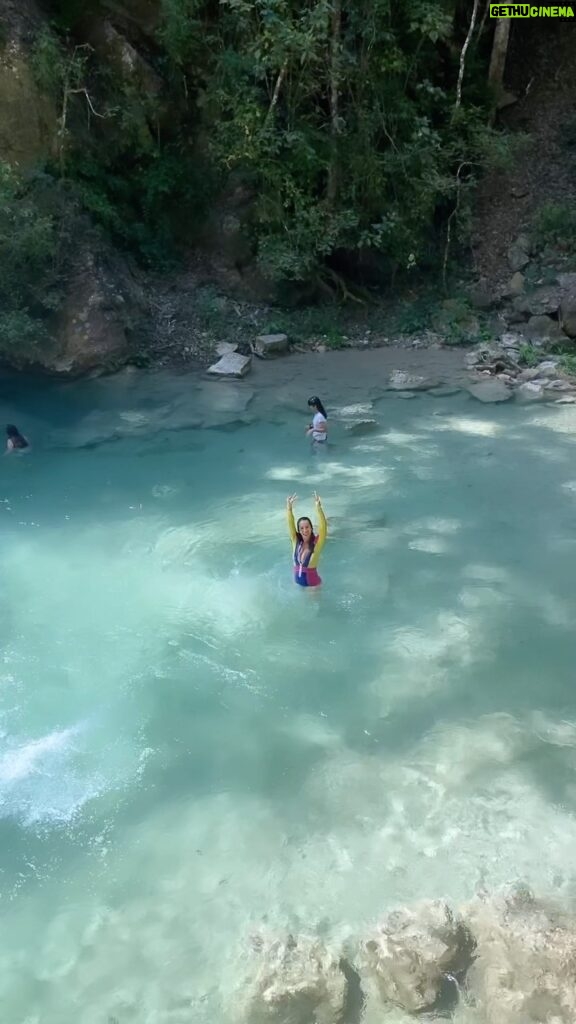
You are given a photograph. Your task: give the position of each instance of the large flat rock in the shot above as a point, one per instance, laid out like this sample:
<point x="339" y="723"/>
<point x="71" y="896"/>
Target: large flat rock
<point x="271" y="345"/>
<point x="490" y="391"/>
<point x="232" y="364"/>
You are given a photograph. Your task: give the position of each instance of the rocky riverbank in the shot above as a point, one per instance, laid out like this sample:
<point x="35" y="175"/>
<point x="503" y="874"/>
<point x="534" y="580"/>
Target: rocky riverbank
<point x="505" y="958"/>
<point x="356" y="386"/>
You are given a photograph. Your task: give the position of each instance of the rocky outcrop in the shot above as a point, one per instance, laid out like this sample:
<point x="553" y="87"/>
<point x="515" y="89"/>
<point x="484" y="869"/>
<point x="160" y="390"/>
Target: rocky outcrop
<point x="409" y="954"/>
<point x="297" y="981"/>
<point x="102" y="312"/>
<point x="501" y="375"/>
<point x="504" y="958"/>
<point x="519" y="253"/>
<point x="525" y="960"/>
<point x="567" y="309"/>
<point x="119" y="53"/>
<point x="28" y="120"/>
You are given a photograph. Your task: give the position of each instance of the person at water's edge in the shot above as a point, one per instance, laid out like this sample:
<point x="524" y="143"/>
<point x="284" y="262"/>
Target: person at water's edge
<point x="307" y="546"/>
<point x="318" y="429"/>
<point x="16" y="441"/>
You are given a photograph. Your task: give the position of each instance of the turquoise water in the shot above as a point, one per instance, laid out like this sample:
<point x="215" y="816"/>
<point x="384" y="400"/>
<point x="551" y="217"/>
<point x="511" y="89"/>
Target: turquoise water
<point x="191" y="747"/>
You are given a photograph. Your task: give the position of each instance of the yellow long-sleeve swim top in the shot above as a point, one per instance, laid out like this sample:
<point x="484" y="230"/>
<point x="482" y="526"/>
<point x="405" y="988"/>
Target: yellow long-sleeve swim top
<point x="305" y="572"/>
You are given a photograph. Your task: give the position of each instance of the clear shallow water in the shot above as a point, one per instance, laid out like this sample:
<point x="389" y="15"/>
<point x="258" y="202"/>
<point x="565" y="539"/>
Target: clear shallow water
<point x="191" y="747"/>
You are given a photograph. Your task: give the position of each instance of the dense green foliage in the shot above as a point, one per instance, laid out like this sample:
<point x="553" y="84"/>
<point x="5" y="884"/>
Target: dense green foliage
<point x="31" y="248"/>
<point x="340" y="116"/>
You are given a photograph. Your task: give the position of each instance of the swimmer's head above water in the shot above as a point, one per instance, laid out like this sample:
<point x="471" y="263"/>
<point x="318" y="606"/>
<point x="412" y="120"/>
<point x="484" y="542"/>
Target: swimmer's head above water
<point x="305" y="531"/>
<point x="15" y="438"/>
<point x="316" y="404"/>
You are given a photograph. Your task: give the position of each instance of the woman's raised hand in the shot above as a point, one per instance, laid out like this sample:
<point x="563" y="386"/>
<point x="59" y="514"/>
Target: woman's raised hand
<point x="290" y="500"/>
<point x="317" y="501"/>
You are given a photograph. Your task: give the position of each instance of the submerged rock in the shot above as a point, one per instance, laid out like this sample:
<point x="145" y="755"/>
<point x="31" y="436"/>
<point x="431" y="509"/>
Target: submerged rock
<point x="360" y="427"/>
<point x="524" y="964"/>
<point x="297" y="981"/>
<point x="445" y="391"/>
<point x="407" y="958"/>
<point x="400" y="380"/>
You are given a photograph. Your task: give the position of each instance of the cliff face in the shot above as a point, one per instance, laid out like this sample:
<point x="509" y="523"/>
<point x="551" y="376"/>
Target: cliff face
<point x="102" y="300"/>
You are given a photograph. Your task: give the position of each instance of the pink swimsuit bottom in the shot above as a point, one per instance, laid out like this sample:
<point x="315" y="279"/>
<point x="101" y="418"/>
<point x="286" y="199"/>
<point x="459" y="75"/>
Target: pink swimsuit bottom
<point x="306" y="577"/>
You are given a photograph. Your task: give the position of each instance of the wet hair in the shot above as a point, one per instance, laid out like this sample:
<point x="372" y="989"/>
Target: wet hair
<point x="315" y="401"/>
<point x="312" y="541"/>
<point x="15" y="436"/>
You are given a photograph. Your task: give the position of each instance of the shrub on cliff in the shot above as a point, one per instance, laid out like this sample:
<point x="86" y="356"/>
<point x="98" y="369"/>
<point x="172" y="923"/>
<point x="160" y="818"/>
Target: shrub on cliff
<point x="31" y="262"/>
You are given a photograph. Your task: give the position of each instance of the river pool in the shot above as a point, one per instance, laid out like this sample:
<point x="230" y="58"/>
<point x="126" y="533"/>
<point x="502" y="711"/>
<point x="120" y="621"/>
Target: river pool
<point x="193" y="748"/>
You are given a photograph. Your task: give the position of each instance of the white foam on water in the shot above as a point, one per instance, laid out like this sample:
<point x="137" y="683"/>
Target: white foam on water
<point x="466" y="425"/>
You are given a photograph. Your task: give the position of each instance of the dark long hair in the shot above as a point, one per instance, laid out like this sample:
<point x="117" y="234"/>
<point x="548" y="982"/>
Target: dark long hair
<point x="15" y="436"/>
<point x="312" y="541"/>
<point x="315" y="401"/>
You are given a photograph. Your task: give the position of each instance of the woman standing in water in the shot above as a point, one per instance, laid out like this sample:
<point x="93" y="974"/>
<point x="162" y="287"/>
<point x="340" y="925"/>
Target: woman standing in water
<point x="318" y="429"/>
<point x="307" y="547"/>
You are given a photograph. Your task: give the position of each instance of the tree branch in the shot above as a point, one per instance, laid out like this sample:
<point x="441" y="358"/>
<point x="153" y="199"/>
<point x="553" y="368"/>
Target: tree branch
<point x="84" y="92"/>
<point x="336" y="29"/>
<point x="464" y="163"/>
<point x="463" y="55"/>
<point x="276" y="93"/>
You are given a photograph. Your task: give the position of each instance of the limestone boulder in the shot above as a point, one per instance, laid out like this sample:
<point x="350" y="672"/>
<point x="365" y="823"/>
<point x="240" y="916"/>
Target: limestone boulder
<point x="515" y="285"/>
<point x="489" y="391"/>
<point x="233" y="364"/>
<point x="482" y="295"/>
<point x="542" y="327"/>
<point x="524" y="961"/>
<point x="511" y="340"/>
<point x="567" y="311"/>
<point x="103" y="310"/>
<point x="295" y="980"/>
<point x="223" y="348"/>
<point x="530" y="391"/>
<point x="407" y="957"/>
<point x="270" y="345"/>
<point x="529" y="374"/>
<point x="542" y="301"/>
<point x="519" y="253"/>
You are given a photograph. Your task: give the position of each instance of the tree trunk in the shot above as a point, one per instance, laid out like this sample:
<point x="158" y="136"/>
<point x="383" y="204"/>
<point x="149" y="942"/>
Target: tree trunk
<point x="498" y="56"/>
<point x="335" y="32"/>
